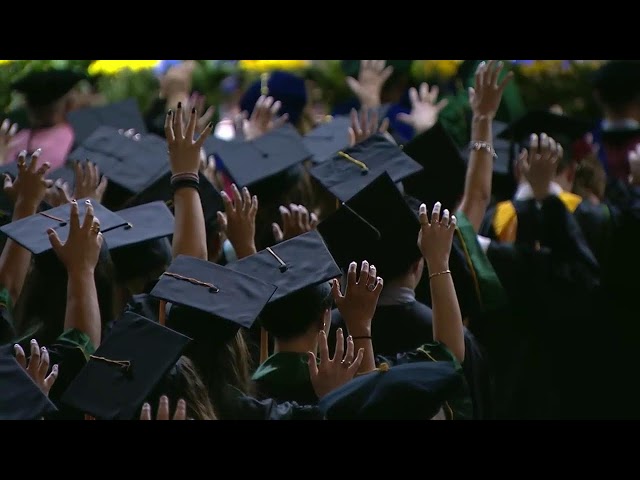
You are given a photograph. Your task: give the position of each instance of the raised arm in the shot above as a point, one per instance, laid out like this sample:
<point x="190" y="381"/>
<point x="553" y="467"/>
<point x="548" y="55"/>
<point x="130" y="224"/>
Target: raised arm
<point x="27" y="193"/>
<point x="184" y="155"/>
<point x="434" y="240"/>
<point x="485" y="100"/>
<point x="80" y="254"/>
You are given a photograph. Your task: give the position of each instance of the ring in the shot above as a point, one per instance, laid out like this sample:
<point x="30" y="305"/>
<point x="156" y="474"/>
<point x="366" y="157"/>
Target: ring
<point x="95" y="229"/>
<point x="346" y="364"/>
<point x="371" y="287"/>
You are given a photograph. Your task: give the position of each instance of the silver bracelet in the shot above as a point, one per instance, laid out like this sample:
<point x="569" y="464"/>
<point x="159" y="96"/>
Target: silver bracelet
<point x="487" y="147"/>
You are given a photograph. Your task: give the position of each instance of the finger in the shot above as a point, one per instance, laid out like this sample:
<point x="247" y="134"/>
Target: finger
<point x="130" y="133"/>
<point x="488" y="73"/>
<point x="54" y="240"/>
<point x="553" y="150"/>
<point x="472" y="94"/>
<point x="560" y="152"/>
<point x="47" y="183"/>
<point x="386" y="73"/>
<point x="222" y="221"/>
<point x="379" y="285"/>
<point x="313" y="222"/>
<point x="92" y="173"/>
<point x="237" y="198"/>
<point x="163" y="408"/>
<point x="335" y="291"/>
<point x="313" y="364"/>
<point x="275" y="108"/>
<point x="354" y="85"/>
<point x="43" y="368"/>
<point x="145" y="414"/>
<point x="181" y="410"/>
<point x="505" y="81"/>
<point x="74" y="221"/>
<point x="323" y="347"/>
<point x="423" y="93"/>
<point x="278" y="236"/>
<point x="304" y="218"/>
<point x="442" y="104"/>
<point x="79" y="172"/>
<point x="191" y="125"/>
<point x="257" y="109"/>
<point x="34" y="359"/>
<point x="373" y="122"/>
<point x="422" y="214"/>
<point x="208" y="115"/>
<point x="228" y="204"/>
<point x="454" y="222"/>
<point x="33" y="162"/>
<point x="445" y="218"/>
<point x="43" y="169"/>
<point x="51" y="378"/>
<point x="364" y="121"/>
<point x="348" y="357"/>
<point x="246" y="199"/>
<point x="355" y="366"/>
<point x="433" y="94"/>
<point x="4" y="129"/>
<point x="495" y="73"/>
<point x="351" y="275"/>
<point x="339" y="351"/>
<point x="372" y="275"/>
<point x="364" y="273"/>
<point x="204" y="134"/>
<point x="137" y="137"/>
<point x="22" y="159"/>
<point x="435" y="214"/>
<point x="88" y="216"/>
<point x="287" y="220"/>
<point x="177" y="122"/>
<point x="281" y="120"/>
<point x="478" y="82"/>
<point x="254" y="206"/>
<point x="295" y="216"/>
<point x="168" y="129"/>
<point x="21" y="358"/>
<point x="384" y="126"/>
<point x="545" y="151"/>
<point x="13" y="130"/>
<point x="102" y="186"/>
<point x="352" y="137"/>
<point x="8" y="183"/>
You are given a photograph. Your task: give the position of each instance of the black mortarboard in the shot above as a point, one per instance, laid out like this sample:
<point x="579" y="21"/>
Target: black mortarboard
<point x="130" y="164"/>
<point x="412" y="391"/>
<point x="42" y="88"/>
<point x="301" y="262"/>
<point x="350" y="170"/>
<point x="620" y="136"/>
<point x="381" y="211"/>
<point x="20" y="397"/>
<point x="124" y="114"/>
<point x="31" y="232"/>
<point x="125" y="369"/>
<point x="250" y="162"/>
<point x="561" y="127"/>
<point x="67" y="174"/>
<point x="141" y="245"/>
<point x="328" y="138"/>
<point x="160" y="190"/>
<point x="228" y="299"/>
<point x="442" y="179"/>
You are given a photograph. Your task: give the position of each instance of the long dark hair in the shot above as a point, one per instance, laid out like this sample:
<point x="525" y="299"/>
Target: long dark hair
<point x="41" y="308"/>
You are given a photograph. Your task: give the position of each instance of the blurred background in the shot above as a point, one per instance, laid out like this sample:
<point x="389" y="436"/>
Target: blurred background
<point x="541" y="83"/>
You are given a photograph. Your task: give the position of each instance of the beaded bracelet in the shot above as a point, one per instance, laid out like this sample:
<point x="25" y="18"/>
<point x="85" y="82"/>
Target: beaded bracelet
<point x="487" y="147"/>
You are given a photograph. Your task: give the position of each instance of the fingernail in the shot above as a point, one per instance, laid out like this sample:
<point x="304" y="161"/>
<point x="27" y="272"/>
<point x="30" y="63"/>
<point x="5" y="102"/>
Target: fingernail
<point x="179" y="104"/>
<point x="55" y="368"/>
<point x="38" y="151"/>
<point x="255" y="198"/>
<point x="146" y="406"/>
<point x="339" y="330"/>
<point x="74" y="201"/>
<point x="169" y="112"/>
<point x="43" y="349"/>
<point x="88" y="202"/>
<point x="33" y="340"/>
<point x="210" y="125"/>
<point x="50" y="231"/>
<point x="16" y="347"/>
<point x="350" y="338"/>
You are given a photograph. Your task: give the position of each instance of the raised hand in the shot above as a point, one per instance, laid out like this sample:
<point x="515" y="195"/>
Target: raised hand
<point x="296" y="220"/>
<point x="264" y="118"/>
<point x="371" y="78"/>
<point x="177" y="80"/>
<point x="81" y="251"/>
<point x="365" y="126"/>
<point x="38" y="366"/>
<point x="89" y="183"/>
<point x="30" y="186"/>
<point x="7" y="131"/>
<point x="334" y="372"/>
<point x="198" y="102"/>
<point x="239" y="220"/>
<point x="485" y="96"/>
<point x="424" y="109"/>
<point x="358" y="304"/>
<point x="131" y="133"/>
<point x="436" y="237"/>
<point x="58" y="194"/>
<point x="184" y="150"/>
<point x="163" y="410"/>
<point x="634" y="166"/>
<point x="539" y="164"/>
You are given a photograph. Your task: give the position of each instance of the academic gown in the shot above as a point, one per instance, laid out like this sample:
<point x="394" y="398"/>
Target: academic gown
<point x="243" y="407"/>
<point x="284" y="377"/>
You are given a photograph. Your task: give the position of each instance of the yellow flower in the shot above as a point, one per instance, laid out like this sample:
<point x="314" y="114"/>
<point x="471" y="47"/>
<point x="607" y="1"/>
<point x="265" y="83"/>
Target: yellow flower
<point x="443" y="69"/>
<point x="3" y="62"/>
<point x="111" y="67"/>
<point x="269" y="65"/>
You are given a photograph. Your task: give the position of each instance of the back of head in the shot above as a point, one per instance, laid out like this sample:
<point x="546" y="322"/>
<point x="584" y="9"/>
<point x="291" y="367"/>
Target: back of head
<point x="292" y="316"/>
<point x="42" y="303"/>
<point x="617" y="84"/>
<point x="184" y="382"/>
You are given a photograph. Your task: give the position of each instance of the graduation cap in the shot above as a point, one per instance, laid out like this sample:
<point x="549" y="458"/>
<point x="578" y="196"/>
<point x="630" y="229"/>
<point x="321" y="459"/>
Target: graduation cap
<point x="286" y="87"/>
<point x="617" y="82"/>
<point x="125" y="369"/>
<point x="328" y="138"/>
<point x="226" y="299"/>
<point x="350" y="170"/>
<point x="376" y="225"/>
<point x="293" y="265"/>
<point x="130" y="164"/>
<point x="20" y="397"/>
<point x="42" y="88"/>
<point x="31" y="232"/>
<point x="160" y="190"/>
<point x="412" y="391"/>
<point x="142" y="244"/>
<point x="561" y="127"/>
<point x="262" y="159"/>
<point x="124" y="114"/>
<point x="444" y="166"/>
<point x="66" y="173"/>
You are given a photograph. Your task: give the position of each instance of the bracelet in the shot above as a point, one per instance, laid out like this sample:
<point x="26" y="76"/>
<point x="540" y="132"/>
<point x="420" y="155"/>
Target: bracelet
<point x="185" y="183"/>
<point x="444" y="272"/>
<point x="184" y="176"/>
<point x="487" y="147"/>
<point x="361" y="338"/>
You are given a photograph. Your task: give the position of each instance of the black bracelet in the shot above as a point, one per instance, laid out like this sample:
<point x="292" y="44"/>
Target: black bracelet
<point x="361" y="338"/>
<point x="185" y="183"/>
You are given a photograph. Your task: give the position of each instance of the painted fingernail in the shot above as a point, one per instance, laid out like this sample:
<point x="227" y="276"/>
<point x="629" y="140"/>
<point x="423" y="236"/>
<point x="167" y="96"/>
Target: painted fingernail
<point x="193" y="110"/>
<point x="179" y="104"/>
<point x="33" y="341"/>
<point x="43" y="349"/>
<point x="349" y="338"/>
<point x="88" y="202"/>
<point x="54" y="369"/>
<point x="169" y="112"/>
